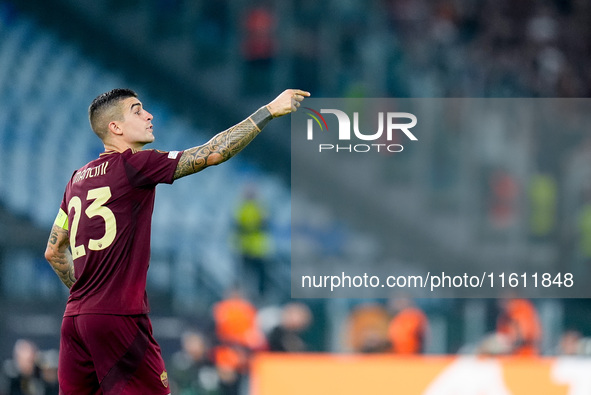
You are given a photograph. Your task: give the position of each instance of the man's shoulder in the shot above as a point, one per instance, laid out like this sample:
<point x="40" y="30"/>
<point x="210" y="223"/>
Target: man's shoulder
<point x="150" y="156"/>
<point x="151" y="151"/>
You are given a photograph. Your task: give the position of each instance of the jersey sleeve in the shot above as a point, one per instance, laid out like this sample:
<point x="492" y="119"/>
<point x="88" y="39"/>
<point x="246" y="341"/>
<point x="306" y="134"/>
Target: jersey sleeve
<point x="151" y="167"/>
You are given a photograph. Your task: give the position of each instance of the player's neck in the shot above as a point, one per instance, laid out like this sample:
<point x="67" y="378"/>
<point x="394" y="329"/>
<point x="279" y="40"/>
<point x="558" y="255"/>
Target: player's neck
<point x="120" y="146"/>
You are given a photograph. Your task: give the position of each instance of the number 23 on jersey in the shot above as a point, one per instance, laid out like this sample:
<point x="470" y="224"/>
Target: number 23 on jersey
<point x="98" y="196"/>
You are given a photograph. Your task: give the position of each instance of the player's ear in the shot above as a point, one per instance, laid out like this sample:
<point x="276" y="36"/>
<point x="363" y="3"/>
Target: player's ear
<point x="114" y="128"/>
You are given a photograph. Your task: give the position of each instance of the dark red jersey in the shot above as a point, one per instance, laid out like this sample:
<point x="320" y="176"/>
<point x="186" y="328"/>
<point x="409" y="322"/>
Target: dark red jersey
<point x="109" y="204"/>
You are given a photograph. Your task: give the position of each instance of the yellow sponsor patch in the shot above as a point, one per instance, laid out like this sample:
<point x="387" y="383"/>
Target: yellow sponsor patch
<point x="61" y="220"/>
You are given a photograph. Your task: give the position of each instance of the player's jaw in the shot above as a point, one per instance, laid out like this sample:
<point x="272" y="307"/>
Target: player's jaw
<point x="139" y="135"/>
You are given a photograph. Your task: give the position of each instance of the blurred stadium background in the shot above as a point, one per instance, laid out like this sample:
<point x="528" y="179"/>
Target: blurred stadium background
<point x="201" y="66"/>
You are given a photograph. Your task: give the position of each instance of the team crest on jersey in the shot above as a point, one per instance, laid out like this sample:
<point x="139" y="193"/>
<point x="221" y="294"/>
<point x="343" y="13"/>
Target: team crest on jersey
<point x="164" y="379"/>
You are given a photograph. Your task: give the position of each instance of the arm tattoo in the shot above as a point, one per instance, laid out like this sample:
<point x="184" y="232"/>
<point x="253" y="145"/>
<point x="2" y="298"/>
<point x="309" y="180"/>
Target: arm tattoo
<point x="59" y="256"/>
<point x="64" y="268"/>
<point x="53" y="237"/>
<point x="222" y="146"/>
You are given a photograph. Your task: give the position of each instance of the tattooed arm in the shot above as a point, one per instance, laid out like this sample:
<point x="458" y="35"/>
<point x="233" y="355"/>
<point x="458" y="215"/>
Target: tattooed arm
<point x="59" y="256"/>
<point x="228" y="143"/>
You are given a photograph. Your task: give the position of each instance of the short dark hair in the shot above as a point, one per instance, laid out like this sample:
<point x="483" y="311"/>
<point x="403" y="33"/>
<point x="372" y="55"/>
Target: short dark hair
<point x="104" y="109"/>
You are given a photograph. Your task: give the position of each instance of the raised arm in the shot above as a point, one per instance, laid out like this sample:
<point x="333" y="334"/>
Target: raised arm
<point x="59" y="256"/>
<point x="228" y="143"/>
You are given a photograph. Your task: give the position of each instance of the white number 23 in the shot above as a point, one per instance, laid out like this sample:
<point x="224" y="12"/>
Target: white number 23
<point x="99" y="196"/>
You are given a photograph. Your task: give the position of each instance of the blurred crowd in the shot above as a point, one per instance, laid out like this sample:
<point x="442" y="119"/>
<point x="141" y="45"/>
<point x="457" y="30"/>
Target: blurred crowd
<point x="395" y="48"/>
<point x="209" y="361"/>
<point x="494" y="48"/>
<point x="407" y="48"/>
<point x="216" y="360"/>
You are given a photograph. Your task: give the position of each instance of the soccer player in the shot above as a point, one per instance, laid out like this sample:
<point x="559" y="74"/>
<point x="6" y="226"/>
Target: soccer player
<point x="99" y="245"/>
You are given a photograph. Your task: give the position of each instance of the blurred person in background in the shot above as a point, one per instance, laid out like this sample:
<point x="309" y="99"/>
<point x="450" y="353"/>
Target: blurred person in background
<point x="192" y="367"/>
<point x="494" y="344"/>
<point x="367" y="329"/>
<point x="543" y="203"/>
<point x="518" y="321"/>
<point x="99" y="244"/>
<point x="259" y="48"/>
<point x="253" y="241"/>
<point x="408" y="329"/>
<point x="238" y="337"/>
<point x="503" y="198"/>
<point x="22" y="372"/>
<point x="48" y="362"/>
<point x="570" y="343"/>
<point x="583" y="235"/>
<point x="287" y="336"/>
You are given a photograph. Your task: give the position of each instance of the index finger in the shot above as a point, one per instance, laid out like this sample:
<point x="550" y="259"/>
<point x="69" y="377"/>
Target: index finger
<point x="301" y="92"/>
